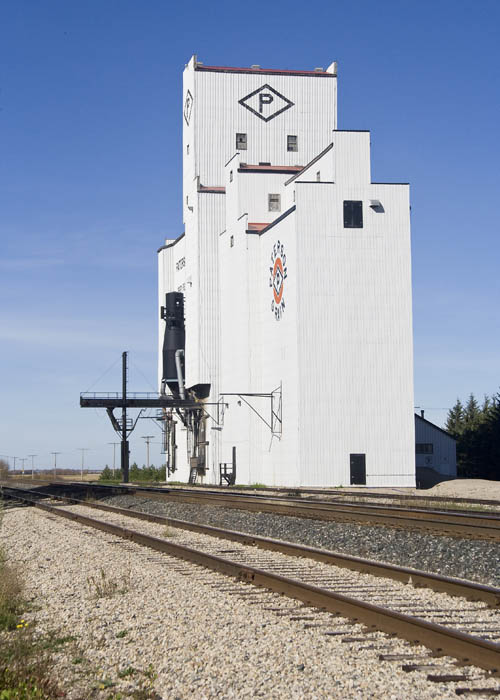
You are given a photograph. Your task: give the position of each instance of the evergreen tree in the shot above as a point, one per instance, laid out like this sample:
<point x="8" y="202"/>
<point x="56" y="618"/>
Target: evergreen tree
<point x="106" y="474"/>
<point x="134" y="472"/>
<point x="455" y="424"/>
<point x="492" y="434"/>
<point x="472" y="414"/>
<point x="486" y="408"/>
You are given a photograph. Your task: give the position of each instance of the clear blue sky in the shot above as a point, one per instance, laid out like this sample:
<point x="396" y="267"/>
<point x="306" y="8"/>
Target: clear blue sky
<point x="90" y="183"/>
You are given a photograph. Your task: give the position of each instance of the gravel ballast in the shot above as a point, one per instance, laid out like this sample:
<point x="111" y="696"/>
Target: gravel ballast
<point x="184" y="631"/>
<point x="475" y="560"/>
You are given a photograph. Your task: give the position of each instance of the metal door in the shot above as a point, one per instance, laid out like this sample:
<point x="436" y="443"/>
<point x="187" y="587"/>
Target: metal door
<point x="358" y="469"/>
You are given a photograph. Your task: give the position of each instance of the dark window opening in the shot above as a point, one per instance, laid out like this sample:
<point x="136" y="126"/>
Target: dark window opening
<point x="424" y="448"/>
<point x="353" y="214"/>
<point x="241" y="142"/>
<point x="292" y="143"/>
<point x="274" y="202"/>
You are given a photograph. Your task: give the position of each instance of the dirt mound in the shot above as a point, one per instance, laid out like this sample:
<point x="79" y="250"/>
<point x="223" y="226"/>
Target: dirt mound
<point x="466" y="488"/>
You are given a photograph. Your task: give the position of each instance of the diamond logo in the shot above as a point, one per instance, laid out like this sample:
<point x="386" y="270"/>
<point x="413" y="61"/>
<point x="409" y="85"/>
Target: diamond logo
<point x="278" y="283"/>
<point x="266" y="103"/>
<point x="188" y="106"/>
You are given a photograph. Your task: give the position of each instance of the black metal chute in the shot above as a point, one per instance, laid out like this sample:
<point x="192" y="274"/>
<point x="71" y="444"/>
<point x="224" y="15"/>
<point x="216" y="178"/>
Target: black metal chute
<point x="174" y="339"/>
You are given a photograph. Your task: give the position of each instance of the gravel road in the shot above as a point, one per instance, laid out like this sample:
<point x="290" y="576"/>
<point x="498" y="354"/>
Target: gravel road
<point x="179" y="631"/>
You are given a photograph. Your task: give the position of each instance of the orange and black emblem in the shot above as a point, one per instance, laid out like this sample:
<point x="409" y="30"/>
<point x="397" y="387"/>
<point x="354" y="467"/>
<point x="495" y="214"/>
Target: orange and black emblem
<point x="278" y="274"/>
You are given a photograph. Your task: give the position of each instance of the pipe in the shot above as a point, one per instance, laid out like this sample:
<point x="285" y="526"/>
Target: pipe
<point x="178" y="354"/>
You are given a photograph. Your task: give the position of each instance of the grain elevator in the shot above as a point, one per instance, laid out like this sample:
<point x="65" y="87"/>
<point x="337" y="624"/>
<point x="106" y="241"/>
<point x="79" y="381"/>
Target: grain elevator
<point x="286" y="303"/>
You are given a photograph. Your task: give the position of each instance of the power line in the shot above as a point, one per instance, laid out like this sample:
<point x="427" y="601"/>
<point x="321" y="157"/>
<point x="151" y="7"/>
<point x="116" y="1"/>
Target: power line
<point x="148" y="439"/>
<point x="55" y="463"/>
<point x="82" y="450"/>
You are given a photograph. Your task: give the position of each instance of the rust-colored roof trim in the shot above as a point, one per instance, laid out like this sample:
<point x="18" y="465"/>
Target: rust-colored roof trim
<point x="257" y="226"/>
<point x="207" y="189"/>
<point x="245" y="168"/>
<point x="265" y="71"/>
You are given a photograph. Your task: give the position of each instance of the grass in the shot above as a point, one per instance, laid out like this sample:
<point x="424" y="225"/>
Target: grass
<point x="24" y="658"/>
<point x="102" y="585"/>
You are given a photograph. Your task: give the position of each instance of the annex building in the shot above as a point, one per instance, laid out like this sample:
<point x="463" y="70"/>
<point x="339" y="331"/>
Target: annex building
<point x="294" y="279"/>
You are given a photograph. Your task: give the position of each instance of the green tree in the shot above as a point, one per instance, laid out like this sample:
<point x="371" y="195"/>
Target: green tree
<point x="4" y="470"/>
<point x="106" y="474"/>
<point x="455" y="424"/>
<point x="134" y="472"/>
<point x="472" y="414"/>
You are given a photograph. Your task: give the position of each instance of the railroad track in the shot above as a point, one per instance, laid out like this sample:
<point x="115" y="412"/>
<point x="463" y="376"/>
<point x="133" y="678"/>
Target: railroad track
<point x="448" y="523"/>
<point x="420" y="500"/>
<point x="467" y="631"/>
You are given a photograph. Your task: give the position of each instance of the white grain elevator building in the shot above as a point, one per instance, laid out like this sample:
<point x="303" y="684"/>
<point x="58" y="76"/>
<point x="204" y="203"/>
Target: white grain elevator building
<point x="295" y="270"/>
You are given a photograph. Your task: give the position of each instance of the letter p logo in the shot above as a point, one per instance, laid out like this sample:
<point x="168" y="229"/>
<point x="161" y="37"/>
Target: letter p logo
<point x="265" y="98"/>
<point x="266" y="103"/>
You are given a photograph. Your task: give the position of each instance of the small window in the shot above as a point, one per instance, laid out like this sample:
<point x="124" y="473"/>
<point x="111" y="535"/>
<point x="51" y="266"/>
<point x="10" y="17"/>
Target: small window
<point x="292" y="143"/>
<point x="241" y="142"/>
<point x="187" y="149"/>
<point x="231" y="241"/>
<point x="230" y="176"/>
<point x="274" y="202"/>
<point x="353" y="214"/>
<point x="424" y="448"/>
<point x="318" y="176"/>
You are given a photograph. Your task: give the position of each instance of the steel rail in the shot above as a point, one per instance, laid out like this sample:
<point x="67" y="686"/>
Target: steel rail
<point x="442" y="584"/>
<point x="442" y="640"/>
<point x="452" y="523"/>
<point x="447" y="522"/>
<point x="296" y="492"/>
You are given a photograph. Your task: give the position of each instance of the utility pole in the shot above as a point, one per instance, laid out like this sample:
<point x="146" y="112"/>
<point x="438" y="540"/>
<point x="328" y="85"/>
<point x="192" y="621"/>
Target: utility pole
<point x="114" y="454"/>
<point x="55" y="463"/>
<point x="32" y="463"/>
<point x="148" y="439"/>
<point x="82" y="450"/>
<point x="125" y="450"/>
<point x="23" y="460"/>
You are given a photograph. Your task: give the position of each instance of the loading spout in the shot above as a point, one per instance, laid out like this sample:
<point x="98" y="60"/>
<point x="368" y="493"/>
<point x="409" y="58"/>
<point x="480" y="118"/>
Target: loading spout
<point x="179" y="355"/>
<point x="174" y="339"/>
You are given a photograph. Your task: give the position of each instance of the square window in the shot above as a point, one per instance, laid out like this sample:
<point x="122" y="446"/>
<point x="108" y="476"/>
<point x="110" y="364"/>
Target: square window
<point x="274" y="202"/>
<point x="353" y="214"/>
<point x="292" y="143"/>
<point x="241" y="142"/>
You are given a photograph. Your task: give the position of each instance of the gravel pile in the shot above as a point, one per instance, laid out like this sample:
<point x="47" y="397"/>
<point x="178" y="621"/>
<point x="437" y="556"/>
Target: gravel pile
<point x="178" y="631"/>
<point x="475" y="560"/>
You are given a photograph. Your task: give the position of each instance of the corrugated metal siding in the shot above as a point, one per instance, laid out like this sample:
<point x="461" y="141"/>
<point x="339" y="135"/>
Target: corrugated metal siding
<point x="343" y="348"/>
<point x="444" y="455"/>
<point x="217" y="95"/>
<point x="355" y="336"/>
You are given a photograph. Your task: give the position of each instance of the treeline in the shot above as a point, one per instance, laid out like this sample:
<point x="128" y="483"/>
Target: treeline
<point x="135" y="473"/>
<point x="476" y="427"/>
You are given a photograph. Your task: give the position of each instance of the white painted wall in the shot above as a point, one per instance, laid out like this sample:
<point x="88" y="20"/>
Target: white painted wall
<point x="342" y="348"/>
